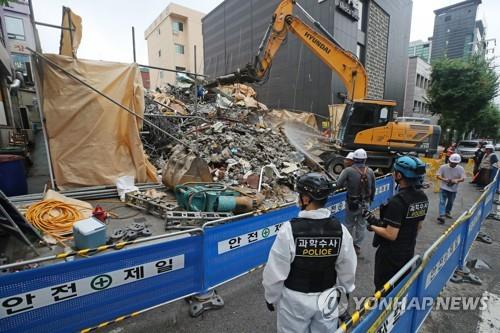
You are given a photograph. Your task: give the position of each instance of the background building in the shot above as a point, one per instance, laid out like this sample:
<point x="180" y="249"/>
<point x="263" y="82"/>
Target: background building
<point x="376" y="31"/>
<point x="421" y="49"/>
<point x="456" y="31"/>
<point x="19" y="104"/>
<point x="480" y="45"/>
<point x="417" y="83"/>
<point x="145" y="77"/>
<point x="171" y="39"/>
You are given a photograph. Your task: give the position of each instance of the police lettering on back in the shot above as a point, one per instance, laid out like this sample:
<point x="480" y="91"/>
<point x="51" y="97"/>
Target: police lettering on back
<point x="317" y="247"/>
<point x="311" y="254"/>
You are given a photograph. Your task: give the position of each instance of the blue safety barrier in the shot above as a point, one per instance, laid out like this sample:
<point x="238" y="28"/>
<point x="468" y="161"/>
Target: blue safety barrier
<point x="68" y="296"/>
<point x="472" y="228"/>
<point x="235" y="248"/>
<point x="440" y="264"/>
<point x="488" y="203"/>
<point x="398" y="317"/>
<point x="407" y="306"/>
<point x="384" y="190"/>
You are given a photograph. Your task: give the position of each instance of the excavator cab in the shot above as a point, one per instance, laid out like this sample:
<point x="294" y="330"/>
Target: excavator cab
<point x="371" y="124"/>
<point x="360" y="116"/>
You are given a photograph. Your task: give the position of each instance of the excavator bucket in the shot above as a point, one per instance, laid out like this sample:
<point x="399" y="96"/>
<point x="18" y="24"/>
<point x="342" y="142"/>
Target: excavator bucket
<point x="184" y="167"/>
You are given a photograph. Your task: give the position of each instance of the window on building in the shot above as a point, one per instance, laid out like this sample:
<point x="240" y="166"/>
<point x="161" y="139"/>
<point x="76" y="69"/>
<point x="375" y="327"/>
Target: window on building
<point x="15" y="28"/>
<point x="159" y="53"/>
<point x="179" y="48"/>
<point x="360" y="21"/>
<point x="447" y="18"/>
<point x="177" y="26"/>
<point x="415" y="106"/>
<point x="362" y="16"/>
<point x="161" y="74"/>
<point x="360" y="53"/>
<point x="159" y="31"/>
<point x="418" y="80"/>
<point x="19" y="60"/>
<point x="179" y="68"/>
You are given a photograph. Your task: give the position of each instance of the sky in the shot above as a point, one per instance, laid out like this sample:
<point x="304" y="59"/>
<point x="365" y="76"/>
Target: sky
<point x="107" y="23"/>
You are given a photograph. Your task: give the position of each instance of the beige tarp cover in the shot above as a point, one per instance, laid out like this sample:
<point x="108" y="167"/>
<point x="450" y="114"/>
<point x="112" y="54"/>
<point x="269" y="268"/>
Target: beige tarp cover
<point x="92" y="141"/>
<point x="65" y="46"/>
<point x="279" y="117"/>
<point x="336" y="112"/>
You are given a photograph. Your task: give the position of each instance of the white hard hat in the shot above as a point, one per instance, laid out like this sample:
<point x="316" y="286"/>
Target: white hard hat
<point x="455" y="158"/>
<point x="360" y="154"/>
<point x="350" y="156"/>
<point x="490" y="146"/>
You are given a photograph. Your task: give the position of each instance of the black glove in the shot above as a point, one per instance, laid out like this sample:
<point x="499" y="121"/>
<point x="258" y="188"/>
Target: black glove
<point x="345" y="317"/>
<point x="372" y="220"/>
<point x="366" y="214"/>
<point x="270" y="307"/>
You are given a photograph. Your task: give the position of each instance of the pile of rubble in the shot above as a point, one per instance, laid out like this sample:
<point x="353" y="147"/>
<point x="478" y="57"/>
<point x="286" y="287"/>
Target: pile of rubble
<point x="237" y="152"/>
<point x="227" y="128"/>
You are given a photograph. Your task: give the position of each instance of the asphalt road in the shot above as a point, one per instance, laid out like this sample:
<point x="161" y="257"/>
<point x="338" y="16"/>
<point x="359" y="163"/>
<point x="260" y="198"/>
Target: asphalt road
<point x="245" y="310"/>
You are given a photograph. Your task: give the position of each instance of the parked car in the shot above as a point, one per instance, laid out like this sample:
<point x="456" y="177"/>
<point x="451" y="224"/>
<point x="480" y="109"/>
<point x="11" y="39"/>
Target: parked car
<point x="467" y="148"/>
<point x="497" y="147"/>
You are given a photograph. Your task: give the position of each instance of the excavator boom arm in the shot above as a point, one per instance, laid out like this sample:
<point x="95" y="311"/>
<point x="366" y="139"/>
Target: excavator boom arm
<point x="347" y="66"/>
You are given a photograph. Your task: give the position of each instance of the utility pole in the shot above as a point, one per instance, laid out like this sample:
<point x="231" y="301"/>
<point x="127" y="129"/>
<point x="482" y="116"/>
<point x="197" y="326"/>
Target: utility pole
<point x="133" y="43"/>
<point x="36" y="64"/>
<point x="195" y="83"/>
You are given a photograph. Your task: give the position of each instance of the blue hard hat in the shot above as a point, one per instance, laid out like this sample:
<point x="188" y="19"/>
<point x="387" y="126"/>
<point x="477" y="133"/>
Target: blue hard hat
<point x="410" y="167"/>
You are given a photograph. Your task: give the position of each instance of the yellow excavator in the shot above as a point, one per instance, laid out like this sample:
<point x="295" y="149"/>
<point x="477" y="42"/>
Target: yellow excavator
<point x="366" y="123"/>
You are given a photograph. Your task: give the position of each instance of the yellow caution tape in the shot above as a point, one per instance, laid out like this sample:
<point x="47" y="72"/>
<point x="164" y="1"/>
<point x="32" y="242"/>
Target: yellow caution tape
<point x="355" y="317"/>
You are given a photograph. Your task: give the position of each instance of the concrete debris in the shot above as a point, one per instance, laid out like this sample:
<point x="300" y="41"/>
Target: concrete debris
<point x="478" y="264"/>
<point x="223" y="102"/>
<point x="238" y="150"/>
<point x="226" y="128"/>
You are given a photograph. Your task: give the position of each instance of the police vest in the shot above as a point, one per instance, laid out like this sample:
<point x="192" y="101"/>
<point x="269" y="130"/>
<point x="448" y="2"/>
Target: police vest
<point x="317" y="247"/>
<point x="415" y="204"/>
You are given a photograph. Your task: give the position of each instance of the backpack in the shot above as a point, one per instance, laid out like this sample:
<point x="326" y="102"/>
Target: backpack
<point x="365" y="189"/>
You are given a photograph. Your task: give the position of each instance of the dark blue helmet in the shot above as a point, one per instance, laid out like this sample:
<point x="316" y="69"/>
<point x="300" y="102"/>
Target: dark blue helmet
<point x="410" y="167"/>
<point x="315" y="185"/>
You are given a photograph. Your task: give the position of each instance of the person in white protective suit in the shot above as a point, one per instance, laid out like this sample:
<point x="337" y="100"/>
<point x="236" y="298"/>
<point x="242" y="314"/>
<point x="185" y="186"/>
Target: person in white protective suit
<point x="311" y="256"/>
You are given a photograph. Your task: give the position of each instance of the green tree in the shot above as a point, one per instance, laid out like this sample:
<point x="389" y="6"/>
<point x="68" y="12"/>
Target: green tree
<point x="487" y="124"/>
<point x="4" y="2"/>
<point x="460" y="90"/>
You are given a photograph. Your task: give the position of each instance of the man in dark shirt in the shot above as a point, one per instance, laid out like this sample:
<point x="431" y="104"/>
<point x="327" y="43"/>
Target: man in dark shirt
<point x="478" y="157"/>
<point x="396" y="230"/>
